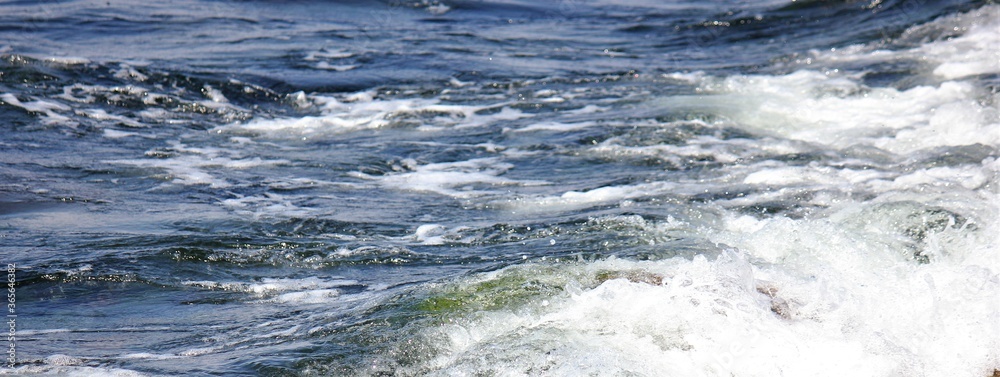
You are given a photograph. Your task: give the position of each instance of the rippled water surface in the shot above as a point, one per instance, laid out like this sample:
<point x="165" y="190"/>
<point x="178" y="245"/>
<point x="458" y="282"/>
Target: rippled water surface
<point x="502" y="188"/>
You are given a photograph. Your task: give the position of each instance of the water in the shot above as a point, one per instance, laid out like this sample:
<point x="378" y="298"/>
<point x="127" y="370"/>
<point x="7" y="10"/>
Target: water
<point x="502" y="187"/>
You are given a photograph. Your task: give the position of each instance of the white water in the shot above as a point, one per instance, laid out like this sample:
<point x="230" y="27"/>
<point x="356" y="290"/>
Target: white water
<point x="891" y="267"/>
<point x="838" y="292"/>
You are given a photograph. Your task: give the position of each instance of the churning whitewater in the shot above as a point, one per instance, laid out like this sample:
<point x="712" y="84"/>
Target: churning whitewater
<point x="502" y="188"/>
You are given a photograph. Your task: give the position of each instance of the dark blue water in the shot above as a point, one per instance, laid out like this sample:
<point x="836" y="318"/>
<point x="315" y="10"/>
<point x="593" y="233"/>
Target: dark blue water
<point x="501" y="188"/>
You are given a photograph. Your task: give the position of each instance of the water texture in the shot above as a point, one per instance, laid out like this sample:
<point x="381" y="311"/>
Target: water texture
<point x="501" y="188"/>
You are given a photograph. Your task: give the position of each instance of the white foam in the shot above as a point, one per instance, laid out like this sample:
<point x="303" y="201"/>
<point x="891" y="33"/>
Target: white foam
<point x="71" y="371"/>
<point x="438" y="9"/>
<point x="63" y="360"/>
<point x="269" y="285"/>
<point x="193" y="164"/>
<point x="574" y="200"/>
<point x="837" y="304"/>
<point x="200" y="351"/>
<point x="368" y="250"/>
<point x="975" y="52"/>
<point x="43" y="331"/>
<point x="588" y="109"/>
<point x="67" y="60"/>
<point x="436" y="234"/>
<point x="834" y="108"/>
<point x="943" y="54"/>
<point x="291" y="331"/>
<point x="555" y="126"/>
<point x="115" y="134"/>
<point x="839" y="293"/>
<point x="363" y="111"/>
<point x="182" y="171"/>
<point x="49" y="109"/>
<point x="430" y="234"/>
<point x="127" y="72"/>
<point x="328" y="54"/>
<point x="335" y="67"/>
<point x="81" y="93"/>
<point x="700" y="147"/>
<point x="148" y="356"/>
<point x="99" y="114"/>
<point x="461" y="179"/>
<point x="268" y="205"/>
<point x="968" y="177"/>
<point x="924" y="318"/>
<point x="311" y="290"/>
<point x="810" y="106"/>
<point x="214" y="94"/>
<point x="315" y="296"/>
<point x="686" y="77"/>
<point x="813" y="175"/>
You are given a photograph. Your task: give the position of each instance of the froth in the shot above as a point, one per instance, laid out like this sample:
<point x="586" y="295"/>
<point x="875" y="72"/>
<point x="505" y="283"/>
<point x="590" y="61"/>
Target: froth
<point x="827" y="309"/>
<point x="194" y="165"/>
<point x="76" y="371"/>
<point x="573" y="200"/>
<point x="49" y="109"/>
<point x="286" y="291"/>
<point x="364" y="111"/>
<point x="834" y="107"/>
<point x="461" y="179"/>
<point x="813" y="107"/>
<point x="975" y="52"/>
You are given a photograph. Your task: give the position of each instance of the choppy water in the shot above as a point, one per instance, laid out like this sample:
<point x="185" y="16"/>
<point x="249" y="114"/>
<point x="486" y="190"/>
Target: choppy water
<point x="502" y="188"/>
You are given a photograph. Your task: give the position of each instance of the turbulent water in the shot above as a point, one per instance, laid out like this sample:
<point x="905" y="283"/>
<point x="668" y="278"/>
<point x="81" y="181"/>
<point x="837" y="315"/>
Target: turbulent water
<point x="501" y="187"/>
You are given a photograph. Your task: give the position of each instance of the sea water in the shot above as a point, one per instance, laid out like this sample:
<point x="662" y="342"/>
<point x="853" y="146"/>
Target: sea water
<point x="501" y="188"/>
